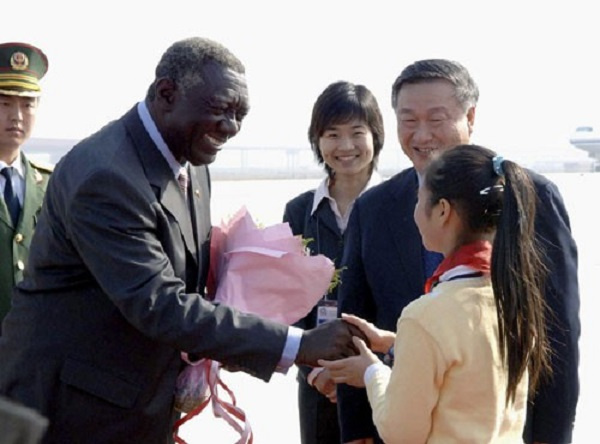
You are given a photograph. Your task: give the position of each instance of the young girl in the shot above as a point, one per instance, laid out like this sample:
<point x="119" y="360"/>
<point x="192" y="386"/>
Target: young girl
<point x="346" y="135"/>
<point x="469" y="349"/>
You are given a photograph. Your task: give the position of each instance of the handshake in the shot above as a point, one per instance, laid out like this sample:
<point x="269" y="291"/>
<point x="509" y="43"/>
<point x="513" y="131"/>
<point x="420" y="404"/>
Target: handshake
<point x="329" y="341"/>
<point x="348" y="361"/>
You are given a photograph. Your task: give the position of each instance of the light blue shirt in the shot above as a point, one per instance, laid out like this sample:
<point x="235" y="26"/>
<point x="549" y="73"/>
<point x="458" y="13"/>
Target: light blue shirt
<point x="158" y="140"/>
<point x="294" y="336"/>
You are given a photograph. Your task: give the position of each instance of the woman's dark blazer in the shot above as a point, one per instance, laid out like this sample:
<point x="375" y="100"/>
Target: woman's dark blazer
<point x="318" y="416"/>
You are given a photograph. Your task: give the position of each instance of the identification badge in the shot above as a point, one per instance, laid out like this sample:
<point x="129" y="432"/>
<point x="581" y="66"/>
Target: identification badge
<point x="326" y="311"/>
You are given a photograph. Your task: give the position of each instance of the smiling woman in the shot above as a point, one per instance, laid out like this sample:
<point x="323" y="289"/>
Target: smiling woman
<point x="346" y="136"/>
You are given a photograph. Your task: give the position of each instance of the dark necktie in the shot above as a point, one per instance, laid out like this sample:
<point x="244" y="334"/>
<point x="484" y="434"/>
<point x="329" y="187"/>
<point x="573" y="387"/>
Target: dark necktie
<point x="10" y="197"/>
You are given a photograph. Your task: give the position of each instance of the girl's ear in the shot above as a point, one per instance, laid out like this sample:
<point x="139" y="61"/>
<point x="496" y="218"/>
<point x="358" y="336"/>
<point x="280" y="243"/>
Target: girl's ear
<point x="443" y="211"/>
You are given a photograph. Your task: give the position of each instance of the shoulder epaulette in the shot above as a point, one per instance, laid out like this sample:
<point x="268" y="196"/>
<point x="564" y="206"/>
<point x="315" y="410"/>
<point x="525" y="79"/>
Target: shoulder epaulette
<point x="43" y="167"/>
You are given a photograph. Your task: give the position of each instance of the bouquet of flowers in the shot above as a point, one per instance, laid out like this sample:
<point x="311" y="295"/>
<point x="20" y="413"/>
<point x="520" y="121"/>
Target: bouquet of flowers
<point x="261" y="270"/>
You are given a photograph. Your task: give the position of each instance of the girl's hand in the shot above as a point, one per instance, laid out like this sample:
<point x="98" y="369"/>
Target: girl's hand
<point x="326" y="385"/>
<point x="351" y="370"/>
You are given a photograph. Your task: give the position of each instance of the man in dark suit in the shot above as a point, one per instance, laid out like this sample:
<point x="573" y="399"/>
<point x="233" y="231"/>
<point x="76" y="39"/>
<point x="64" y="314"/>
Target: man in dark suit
<point x="386" y="265"/>
<point x="22" y="181"/>
<point x="119" y="263"/>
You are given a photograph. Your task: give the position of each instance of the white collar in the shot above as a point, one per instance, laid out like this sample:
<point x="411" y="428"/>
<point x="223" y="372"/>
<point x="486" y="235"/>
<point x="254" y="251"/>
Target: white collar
<point x="459" y="270"/>
<point x="322" y="191"/>
<point x="17" y="165"/>
<point x="157" y="138"/>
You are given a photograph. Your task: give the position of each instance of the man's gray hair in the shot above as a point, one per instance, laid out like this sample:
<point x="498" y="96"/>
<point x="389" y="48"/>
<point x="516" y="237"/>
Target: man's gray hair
<point x="184" y="60"/>
<point x="465" y="88"/>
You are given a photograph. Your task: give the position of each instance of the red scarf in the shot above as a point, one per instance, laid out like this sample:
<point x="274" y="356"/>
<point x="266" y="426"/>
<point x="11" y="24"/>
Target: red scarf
<point x="477" y="255"/>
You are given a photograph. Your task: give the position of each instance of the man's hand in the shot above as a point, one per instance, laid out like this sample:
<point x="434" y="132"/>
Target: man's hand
<point x="381" y="340"/>
<point x="331" y="340"/>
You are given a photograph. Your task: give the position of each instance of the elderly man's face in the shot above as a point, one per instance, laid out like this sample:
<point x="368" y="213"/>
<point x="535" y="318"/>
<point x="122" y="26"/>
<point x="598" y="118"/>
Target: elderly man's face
<point x="17" y="118"/>
<point x="431" y="119"/>
<point x="199" y="122"/>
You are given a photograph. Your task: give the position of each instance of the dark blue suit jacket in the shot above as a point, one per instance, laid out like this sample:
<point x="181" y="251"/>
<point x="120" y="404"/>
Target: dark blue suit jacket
<point x="384" y="273"/>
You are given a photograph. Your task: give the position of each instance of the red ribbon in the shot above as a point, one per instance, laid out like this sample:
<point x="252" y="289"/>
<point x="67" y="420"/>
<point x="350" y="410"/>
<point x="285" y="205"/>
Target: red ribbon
<point x="227" y="410"/>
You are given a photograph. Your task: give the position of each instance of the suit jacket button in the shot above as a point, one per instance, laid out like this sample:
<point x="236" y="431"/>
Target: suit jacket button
<point x="20" y="265"/>
<point x="18" y="238"/>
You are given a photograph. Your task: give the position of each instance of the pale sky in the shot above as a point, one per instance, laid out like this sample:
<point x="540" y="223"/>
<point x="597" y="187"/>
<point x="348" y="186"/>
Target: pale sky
<point x="536" y="65"/>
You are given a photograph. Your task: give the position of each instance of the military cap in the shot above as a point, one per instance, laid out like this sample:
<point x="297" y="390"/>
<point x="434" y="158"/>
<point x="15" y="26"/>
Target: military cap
<point x="21" y="67"/>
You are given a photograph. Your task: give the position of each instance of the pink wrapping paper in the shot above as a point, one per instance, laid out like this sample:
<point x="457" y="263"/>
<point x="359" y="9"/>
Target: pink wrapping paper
<point x="265" y="271"/>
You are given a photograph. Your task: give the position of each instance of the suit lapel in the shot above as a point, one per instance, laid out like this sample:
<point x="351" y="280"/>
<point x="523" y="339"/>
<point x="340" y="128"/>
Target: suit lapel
<point x="173" y="201"/>
<point x="404" y="232"/>
<point x="200" y="201"/>
<point x="161" y="179"/>
<point x="4" y="216"/>
<point x="326" y="217"/>
<point x="34" y="194"/>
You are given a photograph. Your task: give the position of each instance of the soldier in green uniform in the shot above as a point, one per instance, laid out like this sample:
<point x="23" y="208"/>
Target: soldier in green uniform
<point x="22" y="182"/>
